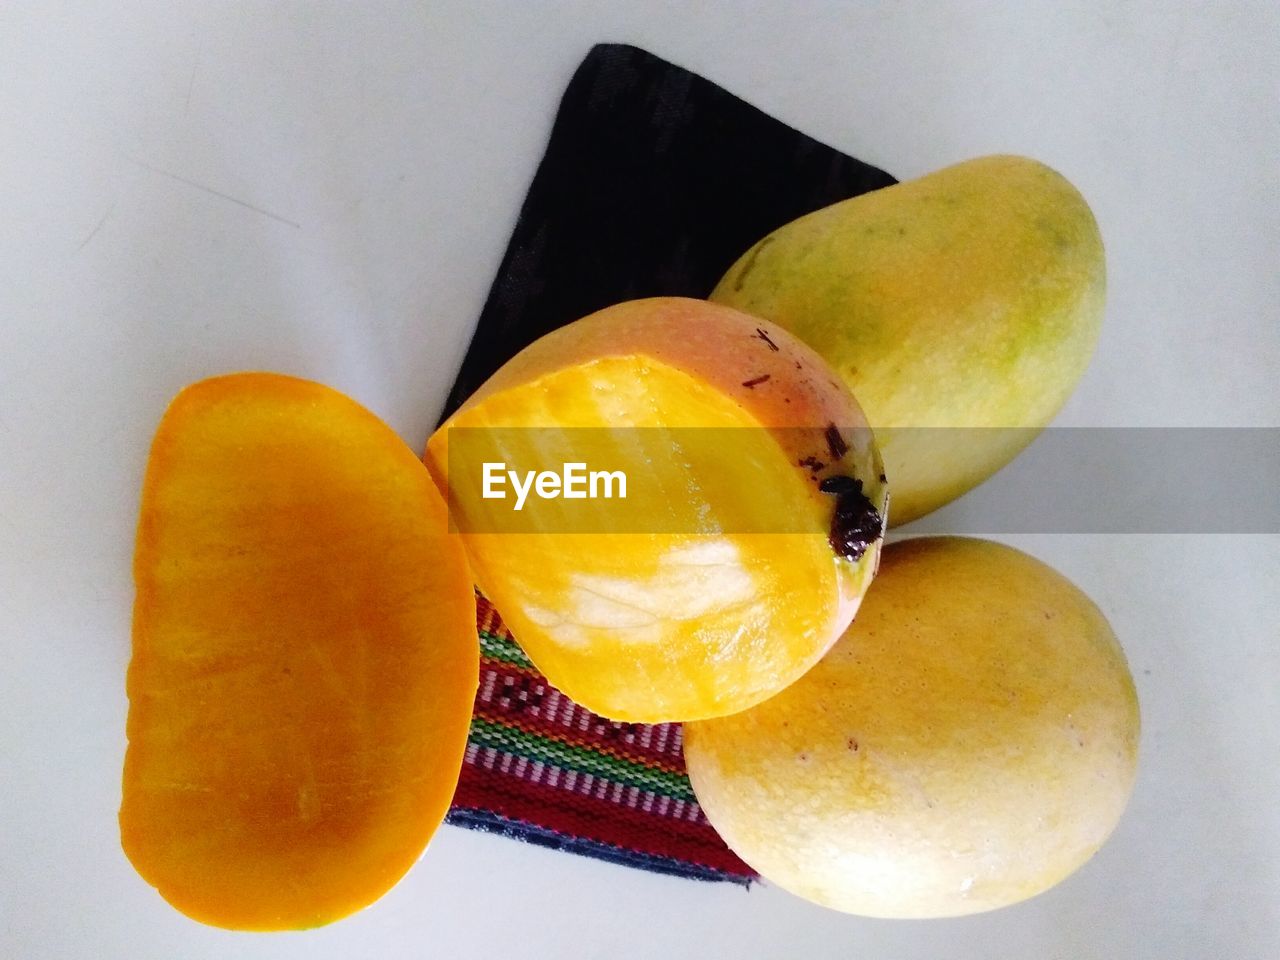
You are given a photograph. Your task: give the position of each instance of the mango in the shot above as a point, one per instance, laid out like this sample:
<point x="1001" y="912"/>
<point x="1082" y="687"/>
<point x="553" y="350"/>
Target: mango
<point x="968" y="743"/>
<point x="961" y="308"/>
<point x="750" y="528"/>
<point x="304" y="657"/>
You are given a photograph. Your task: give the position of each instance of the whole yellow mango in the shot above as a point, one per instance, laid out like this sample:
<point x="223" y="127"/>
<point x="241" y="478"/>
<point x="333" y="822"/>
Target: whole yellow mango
<point x="969" y="742"/>
<point x="969" y="298"/>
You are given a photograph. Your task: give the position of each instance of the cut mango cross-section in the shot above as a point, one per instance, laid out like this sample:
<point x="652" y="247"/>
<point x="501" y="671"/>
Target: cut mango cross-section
<point x="304" y="657"/>
<point x="749" y="529"/>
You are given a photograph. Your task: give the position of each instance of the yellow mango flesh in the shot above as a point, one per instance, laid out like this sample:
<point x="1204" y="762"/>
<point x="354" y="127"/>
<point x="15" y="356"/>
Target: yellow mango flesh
<point x="969" y="298"/>
<point x="638" y="625"/>
<point x="968" y="743"/>
<point x="719" y="603"/>
<point x="304" y="657"/>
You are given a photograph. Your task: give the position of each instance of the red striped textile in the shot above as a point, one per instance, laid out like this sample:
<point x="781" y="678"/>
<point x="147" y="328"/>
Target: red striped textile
<point x="542" y="768"/>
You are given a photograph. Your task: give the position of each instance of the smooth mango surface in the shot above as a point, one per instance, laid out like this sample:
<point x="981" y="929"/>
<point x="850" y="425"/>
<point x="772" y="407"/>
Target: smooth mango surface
<point x="968" y="743"/>
<point x="304" y="657"/>
<point x="734" y="589"/>
<point x="961" y="308"/>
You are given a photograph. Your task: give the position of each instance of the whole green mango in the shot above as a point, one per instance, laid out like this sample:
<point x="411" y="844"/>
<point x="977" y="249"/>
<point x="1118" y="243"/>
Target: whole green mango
<point x="961" y="308"/>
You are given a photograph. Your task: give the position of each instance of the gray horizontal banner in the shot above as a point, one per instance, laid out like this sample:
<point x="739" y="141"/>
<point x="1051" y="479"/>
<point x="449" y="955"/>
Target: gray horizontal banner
<point x="1183" y="480"/>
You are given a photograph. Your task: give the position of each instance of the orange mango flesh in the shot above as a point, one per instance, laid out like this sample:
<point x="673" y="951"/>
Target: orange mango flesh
<point x="694" y="619"/>
<point x="304" y="657"/>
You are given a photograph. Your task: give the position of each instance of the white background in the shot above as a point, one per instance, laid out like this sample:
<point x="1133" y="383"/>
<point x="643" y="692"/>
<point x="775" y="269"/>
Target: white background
<point x="386" y="148"/>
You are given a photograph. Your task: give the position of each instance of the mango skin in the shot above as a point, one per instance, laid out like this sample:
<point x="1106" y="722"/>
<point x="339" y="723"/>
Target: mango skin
<point x="970" y="297"/>
<point x="969" y="742"/>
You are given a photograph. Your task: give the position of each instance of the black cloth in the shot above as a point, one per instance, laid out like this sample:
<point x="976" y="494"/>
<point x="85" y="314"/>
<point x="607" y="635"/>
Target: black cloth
<point x="654" y="182"/>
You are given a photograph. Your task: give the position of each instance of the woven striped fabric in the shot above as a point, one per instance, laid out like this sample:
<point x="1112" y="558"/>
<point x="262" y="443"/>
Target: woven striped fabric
<point x="544" y="769"/>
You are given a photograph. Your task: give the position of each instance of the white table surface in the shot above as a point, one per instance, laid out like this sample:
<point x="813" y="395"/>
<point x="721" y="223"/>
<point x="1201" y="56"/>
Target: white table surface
<point x="325" y="189"/>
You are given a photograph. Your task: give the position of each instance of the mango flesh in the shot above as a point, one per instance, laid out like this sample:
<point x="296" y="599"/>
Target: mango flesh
<point x="304" y="657"/>
<point x="737" y="589"/>
<point x="961" y="308"/>
<point x="967" y="744"/>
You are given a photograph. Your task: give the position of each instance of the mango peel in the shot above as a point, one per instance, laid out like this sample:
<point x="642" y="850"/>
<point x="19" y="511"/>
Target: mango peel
<point x="961" y="308"/>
